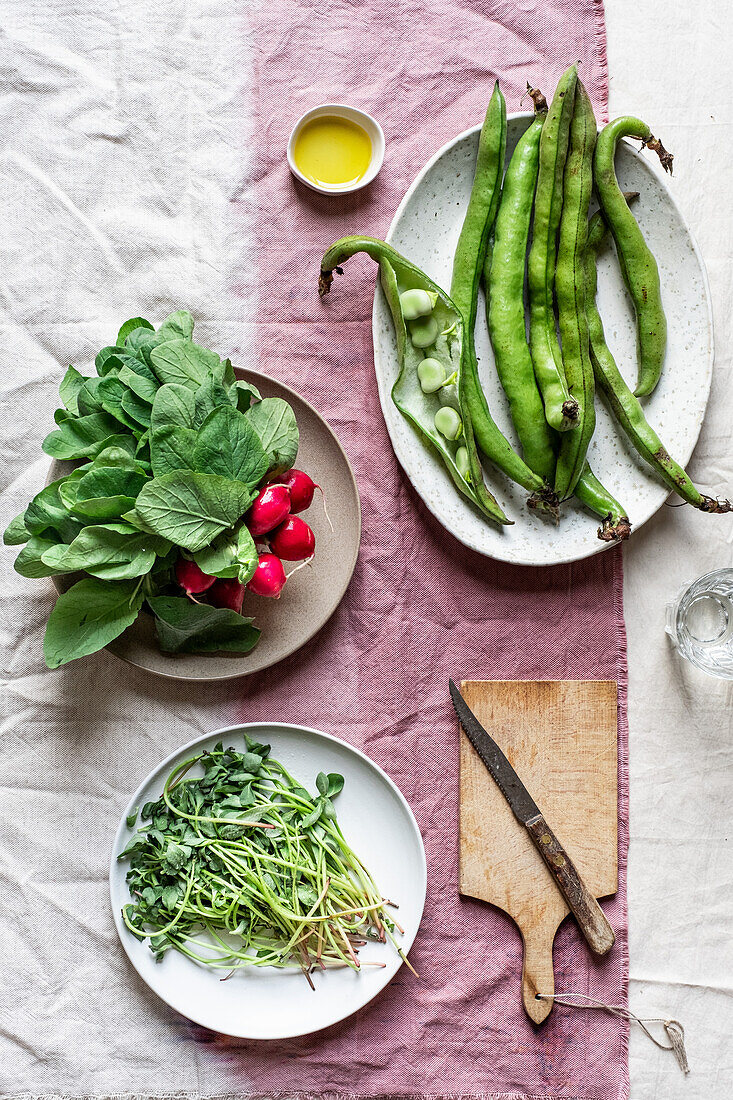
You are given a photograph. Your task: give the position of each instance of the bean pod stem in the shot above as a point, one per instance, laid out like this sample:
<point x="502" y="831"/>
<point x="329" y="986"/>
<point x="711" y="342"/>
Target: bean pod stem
<point x="589" y="491"/>
<point x="570" y="289"/>
<point x="638" y="266"/>
<point x="624" y="405"/>
<point x="561" y="409"/>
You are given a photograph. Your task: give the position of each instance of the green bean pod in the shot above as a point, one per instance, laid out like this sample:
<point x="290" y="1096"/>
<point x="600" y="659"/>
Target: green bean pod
<point x="561" y="408"/>
<point x="624" y="405"/>
<point x="616" y="526"/>
<point x="570" y="290"/>
<point x="504" y="281"/>
<point x="468" y="267"/>
<point x="638" y="266"/>
<point x="398" y="275"/>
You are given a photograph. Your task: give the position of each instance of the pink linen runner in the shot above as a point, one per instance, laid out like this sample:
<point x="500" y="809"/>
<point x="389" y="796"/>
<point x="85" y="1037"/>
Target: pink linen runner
<point x="421" y="607"/>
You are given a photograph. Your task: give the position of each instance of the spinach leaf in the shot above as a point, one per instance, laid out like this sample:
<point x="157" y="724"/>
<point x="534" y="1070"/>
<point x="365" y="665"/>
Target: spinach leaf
<point x="225" y="373"/>
<point x="229" y="445"/>
<point x="16" y="533"/>
<point x="130" y="326"/>
<point x="47" y="511"/>
<point x="107" y="492"/>
<point x="171" y="449"/>
<point x="28" y="562"/>
<point x="110" y="481"/>
<point x="178" y="325"/>
<point x="242" y="394"/>
<point x="191" y="509"/>
<point x="68" y="488"/>
<point x="183" y="362"/>
<point x="108" y="360"/>
<point x="137" y="409"/>
<point x="111" y="393"/>
<point x="202" y="507"/>
<point x="209" y="396"/>
<point x="69" y="388"/>
<point x="88" y="399"/>
<point x="82" y="437"/>
<point x="141" y="380"/>
<point x="174" y="406"/>
<point x="274" y="421"/>
<point x="186" y="627"/>
<point x="89" y="616"/>
<point x="124" y="457"/>
<point x="115" y="551"/>
<point x="231" y="555"/>
<point x="219" y="558"/>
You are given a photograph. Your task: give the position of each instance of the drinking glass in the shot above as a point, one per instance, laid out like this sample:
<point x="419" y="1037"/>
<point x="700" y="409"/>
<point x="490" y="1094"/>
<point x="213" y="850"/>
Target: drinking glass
<point x="700" y="623"/>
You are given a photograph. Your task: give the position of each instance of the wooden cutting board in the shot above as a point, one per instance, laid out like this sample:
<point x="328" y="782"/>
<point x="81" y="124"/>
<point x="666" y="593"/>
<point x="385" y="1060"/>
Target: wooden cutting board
<point x="561" y="737"/>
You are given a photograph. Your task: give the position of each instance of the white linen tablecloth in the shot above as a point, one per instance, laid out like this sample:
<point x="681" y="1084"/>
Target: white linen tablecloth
<point x="123" y="137"/>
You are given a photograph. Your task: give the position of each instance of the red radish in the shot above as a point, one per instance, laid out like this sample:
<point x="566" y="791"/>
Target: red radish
<point x="269" y="509"/>
<point x="192" y="580"/>
<point x="293" y="540"/>
<point x="269" y="577"/>
<point x="227" y="593"/>
<point x="301" y="488"/>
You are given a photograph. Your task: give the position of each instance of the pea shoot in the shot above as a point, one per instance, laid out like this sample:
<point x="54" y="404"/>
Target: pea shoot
<point x="241" y="866"/>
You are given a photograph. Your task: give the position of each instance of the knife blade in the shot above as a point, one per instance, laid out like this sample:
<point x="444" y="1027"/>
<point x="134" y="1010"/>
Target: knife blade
<point x="584" y="907"/>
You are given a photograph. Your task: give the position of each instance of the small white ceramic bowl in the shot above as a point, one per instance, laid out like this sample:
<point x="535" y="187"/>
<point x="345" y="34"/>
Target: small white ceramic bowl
<point x="361" y="118"/>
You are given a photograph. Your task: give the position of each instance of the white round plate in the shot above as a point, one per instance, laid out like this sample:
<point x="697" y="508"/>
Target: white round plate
<point x="426" y="228"/>
<point x="265" y="1003"/>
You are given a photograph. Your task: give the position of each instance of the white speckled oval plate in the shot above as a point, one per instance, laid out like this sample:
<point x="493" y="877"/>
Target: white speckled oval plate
<point x="426" y="228"/>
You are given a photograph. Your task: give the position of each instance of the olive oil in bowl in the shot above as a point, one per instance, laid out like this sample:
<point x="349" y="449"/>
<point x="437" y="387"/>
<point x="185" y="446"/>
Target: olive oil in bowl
<point x="336" y="149"/>
<point x="333" y="152"/>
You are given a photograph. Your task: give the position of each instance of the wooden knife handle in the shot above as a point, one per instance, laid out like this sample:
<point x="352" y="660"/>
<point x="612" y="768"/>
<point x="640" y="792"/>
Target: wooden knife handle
<point x="582" y="904"/>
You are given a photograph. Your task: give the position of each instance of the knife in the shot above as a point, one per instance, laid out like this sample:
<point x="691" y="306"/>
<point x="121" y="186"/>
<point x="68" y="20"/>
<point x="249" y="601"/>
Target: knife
<point x="582" y="904"/>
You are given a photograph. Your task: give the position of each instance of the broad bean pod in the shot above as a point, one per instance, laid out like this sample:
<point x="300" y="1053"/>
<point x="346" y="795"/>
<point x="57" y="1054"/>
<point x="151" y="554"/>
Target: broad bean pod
<point x="638" y="266"/>
<point x="624" y="404"/>
<point x="398" y="275"/>
<point x="570" y="289"/>
<point x="561" y="408"/>
<point x="468" y="265"/>
<point x="505" y="313"/>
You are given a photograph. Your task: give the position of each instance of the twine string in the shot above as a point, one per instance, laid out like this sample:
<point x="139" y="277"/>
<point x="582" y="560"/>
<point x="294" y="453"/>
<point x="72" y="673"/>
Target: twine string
<point x="673" y="1028"/>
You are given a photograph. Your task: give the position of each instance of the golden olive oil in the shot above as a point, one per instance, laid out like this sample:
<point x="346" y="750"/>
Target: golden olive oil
<point x="332" y="151"/>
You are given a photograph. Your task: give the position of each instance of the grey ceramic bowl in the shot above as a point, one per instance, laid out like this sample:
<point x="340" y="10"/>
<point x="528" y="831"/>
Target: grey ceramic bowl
<point x="310" y="596"/>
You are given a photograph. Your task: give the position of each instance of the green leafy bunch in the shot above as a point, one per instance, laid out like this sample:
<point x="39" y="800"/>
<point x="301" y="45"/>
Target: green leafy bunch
<point x="169" y="449"/>
<point x="240" y="866"/>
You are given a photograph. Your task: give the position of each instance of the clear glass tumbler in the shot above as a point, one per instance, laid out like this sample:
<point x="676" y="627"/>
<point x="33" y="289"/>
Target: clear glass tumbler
<point x="700" y="623"/>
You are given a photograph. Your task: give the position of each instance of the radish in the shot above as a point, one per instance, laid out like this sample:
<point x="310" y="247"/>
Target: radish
<point x="293" y="540"/>
<point x="301" y="488"/>
<point x="192" y="580"/>
<point x="269" y="509"/>
<point x="229" y="594"/>
<point x="269" y="577"/>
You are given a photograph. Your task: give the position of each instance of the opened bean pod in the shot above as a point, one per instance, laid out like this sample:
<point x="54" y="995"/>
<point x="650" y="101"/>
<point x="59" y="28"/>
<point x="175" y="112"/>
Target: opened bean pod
<point x="428" y="390"/>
